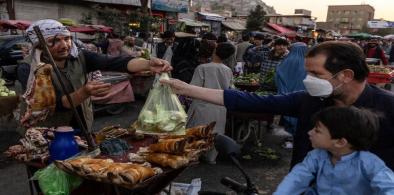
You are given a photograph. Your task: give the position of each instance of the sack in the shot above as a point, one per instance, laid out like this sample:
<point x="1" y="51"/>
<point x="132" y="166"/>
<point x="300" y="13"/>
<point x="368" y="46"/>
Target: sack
<point x="162" y="112"/>
<point x="54" y="181"/>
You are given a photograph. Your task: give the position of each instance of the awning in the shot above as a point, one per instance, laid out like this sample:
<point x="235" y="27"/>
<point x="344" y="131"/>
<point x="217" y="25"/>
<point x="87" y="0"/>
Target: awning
<point x="189" y="22"/>
<point x="90" y="29"/>
<point x="234" y="25"/>
<point x="14" y="24"/>
<point x="281" y="29"/>
<point x="269" y="30"/>
<point x="211" y="16"/>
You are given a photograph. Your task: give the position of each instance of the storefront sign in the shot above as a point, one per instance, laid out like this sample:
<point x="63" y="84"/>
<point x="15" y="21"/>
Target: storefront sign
<point x="378" y="24"/>
<point x="181" y="6"/>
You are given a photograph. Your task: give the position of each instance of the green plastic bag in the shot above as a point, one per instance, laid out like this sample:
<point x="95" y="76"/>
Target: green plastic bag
<point x="54" y="181"/>
<point x="162" y="112"/>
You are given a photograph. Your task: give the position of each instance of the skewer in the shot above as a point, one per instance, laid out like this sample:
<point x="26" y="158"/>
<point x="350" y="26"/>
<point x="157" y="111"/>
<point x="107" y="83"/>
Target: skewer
<point x="43" y="43"/>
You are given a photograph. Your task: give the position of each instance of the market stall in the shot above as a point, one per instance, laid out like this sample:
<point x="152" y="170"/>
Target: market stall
<point x="143" y="158"/>
<point x="125" y="159"/>
<point x="380" y="75"/>
<point x="14" y="24"/>
<point x="8" y="99"/>
<point x="251" y="83"/>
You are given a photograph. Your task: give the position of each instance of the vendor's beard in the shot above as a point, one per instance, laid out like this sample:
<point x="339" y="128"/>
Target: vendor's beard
<point x="337" y="93"/>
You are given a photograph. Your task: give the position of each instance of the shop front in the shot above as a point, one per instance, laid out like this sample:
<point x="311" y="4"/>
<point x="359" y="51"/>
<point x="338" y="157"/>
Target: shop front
<point x="214" y="20"/>
<point x="233" y="29"/>
<point x="166" y="12"/>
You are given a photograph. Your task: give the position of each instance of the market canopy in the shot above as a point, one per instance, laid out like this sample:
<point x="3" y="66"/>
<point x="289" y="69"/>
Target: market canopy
<point x="190" y="22"/>
<point x="234" y="25"/>
<point x="14" y="24"/>
<point x="360" y="35"/>
<point x="211" y="16"/>
<point x="389" y="36"/>
<point x="90" y="28"/>
<point x="282" y="30"/>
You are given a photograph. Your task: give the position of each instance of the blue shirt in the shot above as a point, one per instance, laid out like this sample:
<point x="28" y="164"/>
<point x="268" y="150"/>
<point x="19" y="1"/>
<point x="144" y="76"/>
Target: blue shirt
<point x="303" y="106"/>
<point x="360" y="172"/>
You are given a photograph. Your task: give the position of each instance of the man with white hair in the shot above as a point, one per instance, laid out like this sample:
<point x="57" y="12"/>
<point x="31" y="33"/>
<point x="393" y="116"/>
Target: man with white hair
<point x="74" y="65"/>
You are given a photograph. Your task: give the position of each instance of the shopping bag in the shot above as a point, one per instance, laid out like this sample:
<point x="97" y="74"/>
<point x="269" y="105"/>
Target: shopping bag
<point x="54" y="181"/>
<point x="162" y="112"/>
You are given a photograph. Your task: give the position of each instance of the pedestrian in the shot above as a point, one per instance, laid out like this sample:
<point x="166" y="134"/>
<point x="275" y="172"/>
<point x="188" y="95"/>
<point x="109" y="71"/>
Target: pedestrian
<point x="115" y="45"/>
<point x="129" y="48"/>
<point x="289" y="75"/>
<point x="340" y="162"/>
<point x="391" y="55"/>
<point x="230" y="61"/>
<point x="241" y="49"/>
<point x="166" y="48"/>
<point x="206" y="50"/>
<point x="337" y="73"/>
<point x="74" y="65"/>
<point x="373" y="50"/>
<point x="213" y="75"/>
<point x="253" y="54"/>
<point x="265" y="58"/>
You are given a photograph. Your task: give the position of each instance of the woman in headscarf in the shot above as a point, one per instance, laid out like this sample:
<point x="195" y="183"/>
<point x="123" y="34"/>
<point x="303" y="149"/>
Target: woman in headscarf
<point x="288" y="78"/>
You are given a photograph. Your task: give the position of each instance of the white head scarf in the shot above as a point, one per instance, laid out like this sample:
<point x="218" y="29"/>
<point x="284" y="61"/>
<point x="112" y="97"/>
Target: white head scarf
<point x="50" y="28"/>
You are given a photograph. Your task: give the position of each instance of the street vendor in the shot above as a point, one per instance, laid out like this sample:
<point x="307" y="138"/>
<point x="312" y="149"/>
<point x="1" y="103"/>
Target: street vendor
<point x="337" y="73"/>
<point x="74" y="65"/>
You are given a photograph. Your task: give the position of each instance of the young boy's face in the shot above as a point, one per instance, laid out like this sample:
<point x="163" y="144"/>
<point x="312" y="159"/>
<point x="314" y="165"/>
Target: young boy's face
<point x="320" y="137"/>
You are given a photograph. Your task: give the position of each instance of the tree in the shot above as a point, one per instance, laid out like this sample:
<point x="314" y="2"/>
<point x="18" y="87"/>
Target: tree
<point x="146" y="13"/>
<point x="256" y="19"/>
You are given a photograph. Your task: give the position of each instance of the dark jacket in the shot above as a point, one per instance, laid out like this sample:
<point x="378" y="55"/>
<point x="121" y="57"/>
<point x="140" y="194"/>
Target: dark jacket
<point x="303" y="106"/>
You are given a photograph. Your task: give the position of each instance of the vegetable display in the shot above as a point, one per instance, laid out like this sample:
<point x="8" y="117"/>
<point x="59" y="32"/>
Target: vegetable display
<point x="4" y="91"/>
<point x="247" y="79"/>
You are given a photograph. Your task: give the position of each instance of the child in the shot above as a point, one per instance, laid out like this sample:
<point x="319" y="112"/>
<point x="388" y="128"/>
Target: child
<point x="340" y="164"/>
<point x="214" y="75"/>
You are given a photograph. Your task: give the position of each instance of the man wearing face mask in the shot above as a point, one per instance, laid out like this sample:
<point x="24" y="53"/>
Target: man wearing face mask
<point x="337" y="73"/>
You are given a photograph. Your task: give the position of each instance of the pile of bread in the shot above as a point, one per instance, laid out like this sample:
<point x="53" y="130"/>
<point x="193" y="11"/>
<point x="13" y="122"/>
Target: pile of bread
<point x="174" y="151"/>
<point x="178" y="150"/>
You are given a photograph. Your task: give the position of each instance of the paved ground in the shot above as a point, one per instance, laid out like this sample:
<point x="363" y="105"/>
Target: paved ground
<point x="265" y="173"/>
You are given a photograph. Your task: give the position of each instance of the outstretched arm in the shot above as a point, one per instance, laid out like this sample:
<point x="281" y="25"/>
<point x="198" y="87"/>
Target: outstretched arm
<point x="214" y="96"/>
<point x="154" y="64"/>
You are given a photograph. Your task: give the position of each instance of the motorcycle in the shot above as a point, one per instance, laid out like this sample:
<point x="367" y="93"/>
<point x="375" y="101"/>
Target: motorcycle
<point x="229" y="147"/>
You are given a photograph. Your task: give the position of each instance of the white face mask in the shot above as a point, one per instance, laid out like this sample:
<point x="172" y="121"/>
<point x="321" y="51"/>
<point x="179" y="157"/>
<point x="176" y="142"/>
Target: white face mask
<point x="317" y="87"/>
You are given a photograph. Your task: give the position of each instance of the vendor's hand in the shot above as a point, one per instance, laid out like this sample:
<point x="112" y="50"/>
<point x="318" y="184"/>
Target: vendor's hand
<point x="158" y="65"/>
<point x="177" y="86"/>
<point x="96" y="88"/>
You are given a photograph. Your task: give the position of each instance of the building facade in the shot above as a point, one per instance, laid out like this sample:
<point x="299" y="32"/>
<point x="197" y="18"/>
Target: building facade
<point x="301" y="21"/>
<point x="348" y="19"/>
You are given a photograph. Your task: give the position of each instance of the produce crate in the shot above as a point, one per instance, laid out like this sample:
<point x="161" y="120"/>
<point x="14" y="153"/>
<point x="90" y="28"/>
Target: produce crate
<point x="247" y="87"/>
<point x="375" y="77"/>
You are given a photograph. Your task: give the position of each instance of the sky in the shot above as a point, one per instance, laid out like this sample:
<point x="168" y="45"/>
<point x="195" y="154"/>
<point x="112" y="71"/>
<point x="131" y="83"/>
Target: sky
<point x="383" y="8"/>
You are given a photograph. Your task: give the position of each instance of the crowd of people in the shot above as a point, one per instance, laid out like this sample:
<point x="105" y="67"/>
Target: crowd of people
<point x="322" y="94"/>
